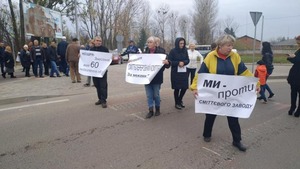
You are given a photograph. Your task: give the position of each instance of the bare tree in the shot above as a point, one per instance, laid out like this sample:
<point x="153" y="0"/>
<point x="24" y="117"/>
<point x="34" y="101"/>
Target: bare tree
<point x="173" y="22"/>
<point x="230" y="27"/>
<point x="14" y="24"/>
<point x="161" y="17"/>
<point x="183" y="23"/>
<point x="205" y="20"/>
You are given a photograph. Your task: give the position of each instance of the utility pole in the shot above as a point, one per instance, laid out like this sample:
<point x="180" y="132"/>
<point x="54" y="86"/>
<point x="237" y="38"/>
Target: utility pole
<point x="76" y="20"/>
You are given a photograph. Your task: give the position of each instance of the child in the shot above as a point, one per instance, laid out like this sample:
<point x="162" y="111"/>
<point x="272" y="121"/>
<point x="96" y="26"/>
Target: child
<point x="261" y="73"/>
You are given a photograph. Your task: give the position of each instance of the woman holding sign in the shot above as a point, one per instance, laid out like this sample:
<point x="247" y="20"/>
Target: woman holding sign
<point x="223" y="61"/>
<point x="153" y="88"/>
<point x="179" y="58"/>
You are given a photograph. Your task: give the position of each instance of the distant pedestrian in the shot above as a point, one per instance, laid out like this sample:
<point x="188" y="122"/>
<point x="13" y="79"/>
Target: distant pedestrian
<point x="72" y="57"/>
<point x="46" y="58"/>
<point x="9" y="62"/>
<point x="2" y="49"/>
<point x="261" y="73"/>
<point x="179" y="58"/>
<point x="61" y="53"/>
<point x="294" y="79"/>
<point x="267" y="58"/>
<point x="194" y="55"/>
<point x="130" y="49"/>
<point x="26" y="59"/>
<point x="38" y="59"/>
<point x="53" y="58"/>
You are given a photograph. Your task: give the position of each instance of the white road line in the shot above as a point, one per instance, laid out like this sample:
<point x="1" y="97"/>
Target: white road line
<point x="36" y="104"/>
<point x="137" y="117"/>
<point x="211" y="151"/>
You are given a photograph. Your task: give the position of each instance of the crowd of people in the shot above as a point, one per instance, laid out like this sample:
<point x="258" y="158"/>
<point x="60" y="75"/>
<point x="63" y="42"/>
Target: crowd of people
<point x="183" y="61"/>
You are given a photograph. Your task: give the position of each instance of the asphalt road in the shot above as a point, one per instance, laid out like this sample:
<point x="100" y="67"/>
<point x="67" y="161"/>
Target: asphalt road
<point x="51" y="123"/>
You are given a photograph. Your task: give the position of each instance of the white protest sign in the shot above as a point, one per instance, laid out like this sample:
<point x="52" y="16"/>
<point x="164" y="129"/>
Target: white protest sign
<point x="226" y="95"/>
<point x="142" y="68"/>
<point x="92" y="63"/>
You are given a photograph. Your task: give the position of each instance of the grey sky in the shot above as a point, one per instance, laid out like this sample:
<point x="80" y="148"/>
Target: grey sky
<point x="281" y="17"/>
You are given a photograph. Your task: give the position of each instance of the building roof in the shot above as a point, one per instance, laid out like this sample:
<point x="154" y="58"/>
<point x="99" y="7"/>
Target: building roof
<point x="289" y="42"/>
<point x="246" y="36"/>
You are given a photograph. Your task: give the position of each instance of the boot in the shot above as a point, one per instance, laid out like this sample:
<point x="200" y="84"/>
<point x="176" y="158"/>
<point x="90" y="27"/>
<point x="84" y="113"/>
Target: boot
<point x="4" y="75"/>
<point x="292" y="109"/>
<point x="12" y="75"/>
<point x="157" y="110"/>
<point x="297" y="113"/>
<point x="150" y="114"/>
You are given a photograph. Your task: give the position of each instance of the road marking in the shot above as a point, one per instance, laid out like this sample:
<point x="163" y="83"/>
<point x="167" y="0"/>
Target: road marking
<point x="36" y="104"/>
<point x="211" y="151"/>
<point x="135" y="115"/>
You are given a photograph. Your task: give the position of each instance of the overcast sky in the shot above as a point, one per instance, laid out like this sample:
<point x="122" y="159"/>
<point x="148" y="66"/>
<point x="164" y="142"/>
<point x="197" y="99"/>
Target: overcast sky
<point x="281" y="17"/>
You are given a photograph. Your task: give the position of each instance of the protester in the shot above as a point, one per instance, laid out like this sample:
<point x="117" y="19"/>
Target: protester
<point x="194" y="55"/>
<point x="261" y="73"/>
<point x="46" y="58"/>
<point x="88" y="47"/>
<point x="100" y="82"/>
<point x="9" y="62"/>
<point x="223" y="61"/>
<point x="267" y="58"/>
<point x="153" y="88"/>
<point x="157" y="43"/>
<point x="130" y="49"/>
<point x="294" y="79"/>
<point x="38" y="59"/>
<point x="61" y="52"/>
<point x="72" y="57"/>
<point x="53" y="58"/>
<point x="26" y="59"/>
<point x="179" y="58"/>
<point x="2" y="49"/>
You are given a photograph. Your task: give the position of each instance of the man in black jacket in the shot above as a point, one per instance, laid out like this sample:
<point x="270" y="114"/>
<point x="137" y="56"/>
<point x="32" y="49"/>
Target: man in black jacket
<point x="100" y="82"/>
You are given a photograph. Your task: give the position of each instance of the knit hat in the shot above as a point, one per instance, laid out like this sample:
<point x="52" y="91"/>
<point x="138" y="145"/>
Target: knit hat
<point x="260" y="62"/>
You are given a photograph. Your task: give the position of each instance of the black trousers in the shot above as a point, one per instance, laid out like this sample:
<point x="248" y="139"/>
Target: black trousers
<point x="295" y="91"/>
<point x="101" y="86"/>
<point x="233" y="123"/>
<point x="192" y="72"/>
<point x="178" y="95"/>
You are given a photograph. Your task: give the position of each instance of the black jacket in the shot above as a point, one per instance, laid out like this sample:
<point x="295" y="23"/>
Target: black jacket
<point x="25" y="58"/>
<point x="159" y="77"/>
<point x="52" y="54"/>
<point x="179" y="80"/>
<point x="9" y="60"/>
<point x="293" y="77"/>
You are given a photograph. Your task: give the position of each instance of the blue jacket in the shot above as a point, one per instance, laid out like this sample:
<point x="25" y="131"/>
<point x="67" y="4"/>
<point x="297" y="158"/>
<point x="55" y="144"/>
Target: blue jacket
<point x="62" y="48"/>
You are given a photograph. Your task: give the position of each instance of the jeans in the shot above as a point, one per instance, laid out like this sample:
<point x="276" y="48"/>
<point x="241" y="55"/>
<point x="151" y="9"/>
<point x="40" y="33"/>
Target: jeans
<point x="53" y="68"/>
<point x="153" y="97"/>
<point x="38" y="63"/>
<point x="262" y="92"/>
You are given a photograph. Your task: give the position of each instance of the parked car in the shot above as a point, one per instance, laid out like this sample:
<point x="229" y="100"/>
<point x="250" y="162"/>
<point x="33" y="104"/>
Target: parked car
<point x="125" y="57"/>
<point x="116" y="58"/>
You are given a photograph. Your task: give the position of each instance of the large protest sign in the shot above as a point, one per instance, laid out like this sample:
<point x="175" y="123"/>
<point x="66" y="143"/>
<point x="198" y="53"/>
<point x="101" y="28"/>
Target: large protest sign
<point x="142" y="68"/>
<point x="92" y="63"/>
<point x="226" y="95"/>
